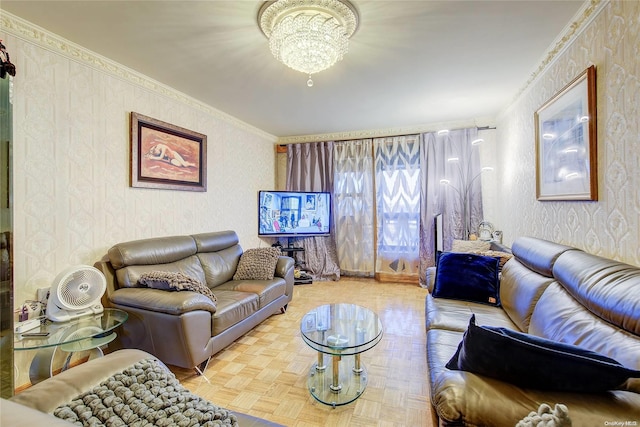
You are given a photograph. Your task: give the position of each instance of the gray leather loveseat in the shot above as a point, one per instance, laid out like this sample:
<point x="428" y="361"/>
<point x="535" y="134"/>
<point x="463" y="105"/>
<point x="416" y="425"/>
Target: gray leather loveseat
<point x="186" y="328"/>
<point x="551" y="291"/>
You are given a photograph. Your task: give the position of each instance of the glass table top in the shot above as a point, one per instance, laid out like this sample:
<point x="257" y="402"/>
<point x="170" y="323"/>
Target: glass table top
<point x="341" y="329"/>
<point x="90" y="326"/>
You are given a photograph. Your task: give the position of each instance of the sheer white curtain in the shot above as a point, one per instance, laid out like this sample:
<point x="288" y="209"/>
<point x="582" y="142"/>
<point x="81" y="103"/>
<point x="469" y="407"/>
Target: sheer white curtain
<point x="397" y="181"/>
<point x="353" y="206"/>
<point x="451" y="186"/>
<point x="310" y="168"/>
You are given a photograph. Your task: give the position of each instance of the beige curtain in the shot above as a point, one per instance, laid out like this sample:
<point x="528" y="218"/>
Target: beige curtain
<point x="397" y="181"/>
<point x="451" y="186"/>
<point x="354" y="207"/>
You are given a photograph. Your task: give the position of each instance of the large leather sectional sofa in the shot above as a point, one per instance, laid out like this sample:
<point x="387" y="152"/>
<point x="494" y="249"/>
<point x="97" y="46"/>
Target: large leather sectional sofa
<point x="551" y="291"/>
<point x="36" y="405"/>
<point x="186" y="328"/>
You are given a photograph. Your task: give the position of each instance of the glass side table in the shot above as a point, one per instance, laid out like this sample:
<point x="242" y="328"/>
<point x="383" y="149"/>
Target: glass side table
<point x="82" y="334"/>
<point x="343" y="331"/>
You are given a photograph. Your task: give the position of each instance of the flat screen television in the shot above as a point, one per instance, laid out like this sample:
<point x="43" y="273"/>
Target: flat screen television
<point x="293" y="213"/>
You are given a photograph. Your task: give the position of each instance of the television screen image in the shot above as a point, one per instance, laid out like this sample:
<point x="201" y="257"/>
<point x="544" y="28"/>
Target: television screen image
<point x="294" y="213"/>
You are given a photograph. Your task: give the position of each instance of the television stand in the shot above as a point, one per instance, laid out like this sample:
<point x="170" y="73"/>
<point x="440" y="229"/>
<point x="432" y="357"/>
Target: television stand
<point x="290" y="250"/>
<point x="304" y="278"/>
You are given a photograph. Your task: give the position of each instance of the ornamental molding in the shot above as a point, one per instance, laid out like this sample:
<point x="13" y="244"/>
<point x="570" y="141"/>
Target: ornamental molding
<point x="36" y="35"/>
<point x="589" y="11"/>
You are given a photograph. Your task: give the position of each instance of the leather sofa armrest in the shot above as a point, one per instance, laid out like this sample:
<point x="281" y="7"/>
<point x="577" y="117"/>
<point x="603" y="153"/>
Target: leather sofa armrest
<point x="47" y="395"/>
<point x="284" y="269"/>
<point x="170" y="302"/>
<point x="284" y="265"/>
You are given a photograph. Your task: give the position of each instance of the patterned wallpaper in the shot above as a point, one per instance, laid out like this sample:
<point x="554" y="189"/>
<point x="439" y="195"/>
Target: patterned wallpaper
<point x="72" y="199"/>
<point x="609" y="227"/>
<point x="71" y="154"/>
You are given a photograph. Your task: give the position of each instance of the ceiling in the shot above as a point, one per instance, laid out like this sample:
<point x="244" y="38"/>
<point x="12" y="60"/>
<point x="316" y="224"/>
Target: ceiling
<point x="410" y="63"/>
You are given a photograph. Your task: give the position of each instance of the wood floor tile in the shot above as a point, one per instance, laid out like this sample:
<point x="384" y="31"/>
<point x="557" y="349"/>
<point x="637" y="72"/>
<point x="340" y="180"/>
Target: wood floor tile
<point x="264" y="373"/>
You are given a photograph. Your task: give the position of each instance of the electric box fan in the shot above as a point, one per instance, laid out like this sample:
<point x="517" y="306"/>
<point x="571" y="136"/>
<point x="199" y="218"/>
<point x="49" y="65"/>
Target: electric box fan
<point x="76" y="292"/>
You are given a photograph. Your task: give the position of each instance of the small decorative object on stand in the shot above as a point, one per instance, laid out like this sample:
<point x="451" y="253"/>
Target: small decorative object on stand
<point x="485" y="231"/>
<point x="6" y="67"/>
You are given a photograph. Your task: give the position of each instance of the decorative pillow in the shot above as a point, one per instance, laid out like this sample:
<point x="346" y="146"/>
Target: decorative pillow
<point x="470" y="246"/>
<point x="257" y="264"/>
<point x="502" y="256"/>
<point x="467" y="277"/>
<point x="529" y="361"/>
<point x="174" y="281"/>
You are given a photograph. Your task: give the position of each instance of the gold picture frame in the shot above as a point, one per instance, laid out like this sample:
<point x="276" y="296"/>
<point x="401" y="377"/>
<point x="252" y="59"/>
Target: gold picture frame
<point x="566" y="146"/>
<point x="165" y="156"/>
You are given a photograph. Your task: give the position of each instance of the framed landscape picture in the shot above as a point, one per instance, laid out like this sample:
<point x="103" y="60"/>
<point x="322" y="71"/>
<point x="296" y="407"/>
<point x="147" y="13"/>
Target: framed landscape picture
<point x="566" y="149"/>
<point x="166" y="156"/>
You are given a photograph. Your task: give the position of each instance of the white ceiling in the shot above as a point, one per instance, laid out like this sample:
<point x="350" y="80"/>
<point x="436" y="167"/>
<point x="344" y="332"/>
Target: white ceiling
<point x="410" y="63"/>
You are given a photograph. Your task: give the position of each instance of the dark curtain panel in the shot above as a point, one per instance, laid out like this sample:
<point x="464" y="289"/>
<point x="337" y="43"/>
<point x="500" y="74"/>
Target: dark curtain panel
<point x="310" y="168"/>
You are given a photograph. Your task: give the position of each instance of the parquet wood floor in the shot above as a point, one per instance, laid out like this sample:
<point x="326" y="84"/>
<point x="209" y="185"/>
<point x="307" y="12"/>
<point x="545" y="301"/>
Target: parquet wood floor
<point x="264" y="373"/>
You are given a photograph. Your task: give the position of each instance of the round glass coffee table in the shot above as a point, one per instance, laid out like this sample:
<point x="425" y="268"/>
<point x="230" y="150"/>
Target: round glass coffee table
<point x="343" y="331"/>
<point x="86" y="333"/>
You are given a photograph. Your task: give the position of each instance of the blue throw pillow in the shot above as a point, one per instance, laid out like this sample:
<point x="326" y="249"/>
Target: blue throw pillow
<point x="468" y="277"/>
<point x="529" y="361"/>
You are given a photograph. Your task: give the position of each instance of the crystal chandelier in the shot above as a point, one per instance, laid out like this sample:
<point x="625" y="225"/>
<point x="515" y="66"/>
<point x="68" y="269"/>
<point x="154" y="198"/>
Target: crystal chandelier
<point x="308" y="35"/>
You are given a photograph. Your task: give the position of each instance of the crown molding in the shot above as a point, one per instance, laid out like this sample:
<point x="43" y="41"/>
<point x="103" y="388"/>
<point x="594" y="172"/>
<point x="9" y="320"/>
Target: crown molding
<point x="31" y="33"/>
<point x="587" y="13"/>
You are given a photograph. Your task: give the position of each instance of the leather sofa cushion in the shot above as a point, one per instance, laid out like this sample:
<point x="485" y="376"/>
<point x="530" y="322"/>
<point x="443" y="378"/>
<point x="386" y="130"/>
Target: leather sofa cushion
<point x="267" y="290"/>
<point x="233" y="307"/>
<point x="539" y="255"/>
<point x="216" y="240"/>
<point x="558" y="316"/>
<point x="454" y="315"/>
<point x="174" y="303"/>
<point x="159" y="250"/>
<point x="219" y="267"/>
<point x="520" y="290"/>
<point x="610" y="289"/>
<point x="128" y="276"/>
<point x="464" y="398"/>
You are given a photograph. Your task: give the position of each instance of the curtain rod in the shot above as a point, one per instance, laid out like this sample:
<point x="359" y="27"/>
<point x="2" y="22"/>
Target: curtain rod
<point x="336" y="138"/>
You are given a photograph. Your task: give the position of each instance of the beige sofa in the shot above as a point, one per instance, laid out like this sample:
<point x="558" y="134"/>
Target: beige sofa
<point x="186" y="328"/>
<point x="551" y="291"/>
<point x="35" y="405"/>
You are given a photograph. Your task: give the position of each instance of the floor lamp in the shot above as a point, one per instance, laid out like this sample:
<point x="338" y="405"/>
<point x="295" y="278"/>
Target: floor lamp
<point x="466" y="182"/>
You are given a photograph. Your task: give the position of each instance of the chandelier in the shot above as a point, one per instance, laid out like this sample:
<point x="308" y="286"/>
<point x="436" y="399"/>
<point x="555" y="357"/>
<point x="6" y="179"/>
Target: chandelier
<point x="308" y="35"/>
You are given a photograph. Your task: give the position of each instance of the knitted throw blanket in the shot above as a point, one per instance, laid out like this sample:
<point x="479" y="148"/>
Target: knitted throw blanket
<point x="168" y="280"/>
<point x="547" y="417"/>
<point x="145" y="394"/>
